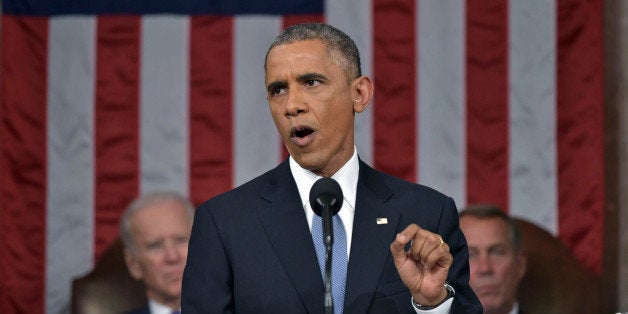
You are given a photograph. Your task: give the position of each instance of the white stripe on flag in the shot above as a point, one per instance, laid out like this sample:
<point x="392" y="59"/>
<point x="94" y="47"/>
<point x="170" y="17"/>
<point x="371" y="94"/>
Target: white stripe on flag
<point x="354" y="17"/>
<point x="532" y="98"/>
<point x="441" y="118"/>
<point x="257" y="144"/>
<point x="70" y="183"/>
<point x="164" y="99"/>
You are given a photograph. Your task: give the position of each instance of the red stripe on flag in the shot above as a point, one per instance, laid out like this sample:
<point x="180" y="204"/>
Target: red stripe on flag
<point x="289" y="20"/>
<point x="211" y="106"/>
<point x="487" y="102"/>
<point x="394" y="71"/>
<point x="580" y="114"/>
<point x="23" y="163"/>
<point x="117" y="123"/>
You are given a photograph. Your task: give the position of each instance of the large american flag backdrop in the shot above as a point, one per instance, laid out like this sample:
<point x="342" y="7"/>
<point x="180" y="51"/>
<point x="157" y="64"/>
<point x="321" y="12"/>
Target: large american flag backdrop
<point x="488" y="101"/>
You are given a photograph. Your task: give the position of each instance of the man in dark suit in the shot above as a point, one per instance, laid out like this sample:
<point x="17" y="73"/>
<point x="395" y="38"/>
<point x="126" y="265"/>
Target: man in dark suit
<point x="496" y="259"/>
<point x="155" y="229"/>
<point x="251" y="249"/>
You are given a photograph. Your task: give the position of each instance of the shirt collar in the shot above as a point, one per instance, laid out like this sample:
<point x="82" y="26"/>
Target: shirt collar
<point x="515" y="308"/>
<point x="346" y="176"/>
<point x="158" y="308"/>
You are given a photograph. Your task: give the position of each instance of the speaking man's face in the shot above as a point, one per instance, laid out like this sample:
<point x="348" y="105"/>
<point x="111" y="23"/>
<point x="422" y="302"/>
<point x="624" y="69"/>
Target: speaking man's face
<point x="312" y="104"/>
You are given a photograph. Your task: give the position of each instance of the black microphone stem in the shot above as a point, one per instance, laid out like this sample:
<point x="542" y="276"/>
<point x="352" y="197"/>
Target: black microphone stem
<point x="328" y="239"/>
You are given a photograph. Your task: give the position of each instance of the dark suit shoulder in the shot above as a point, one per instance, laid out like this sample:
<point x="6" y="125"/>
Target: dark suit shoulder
<point x="250" y="199"/>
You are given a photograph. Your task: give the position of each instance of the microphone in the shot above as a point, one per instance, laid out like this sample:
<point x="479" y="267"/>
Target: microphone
<point x="326" y="200"/>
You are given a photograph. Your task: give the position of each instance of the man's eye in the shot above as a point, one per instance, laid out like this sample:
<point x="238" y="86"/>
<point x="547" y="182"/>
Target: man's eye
<point x="182" y="240"/>
<point x="498" y="251"/>
<point x="311" y="82"/>
<point x="278" y="91"/>
<point x="154" y="246"/>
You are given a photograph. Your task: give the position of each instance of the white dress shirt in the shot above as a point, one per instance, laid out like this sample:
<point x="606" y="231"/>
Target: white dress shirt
<point x="347" y="177"/>
<point x="157" y="308"/>
<point x="515" y="308"/>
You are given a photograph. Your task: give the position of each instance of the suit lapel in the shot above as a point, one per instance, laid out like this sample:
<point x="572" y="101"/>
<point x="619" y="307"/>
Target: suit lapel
<point x="287" y="230"/>
<point x="370" y="245"/>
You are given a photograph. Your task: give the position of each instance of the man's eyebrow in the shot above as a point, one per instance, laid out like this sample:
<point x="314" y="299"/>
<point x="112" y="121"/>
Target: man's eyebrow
<point x="301" y="78"/>
<point x="275" y="85"/>
<point x="311" y="76"/>
<point x="500" y="245"/>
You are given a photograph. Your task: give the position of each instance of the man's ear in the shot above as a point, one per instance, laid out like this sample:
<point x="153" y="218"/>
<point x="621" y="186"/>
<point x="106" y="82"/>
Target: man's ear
<point x="362" y="92"/>
<point x="133" y="265"/>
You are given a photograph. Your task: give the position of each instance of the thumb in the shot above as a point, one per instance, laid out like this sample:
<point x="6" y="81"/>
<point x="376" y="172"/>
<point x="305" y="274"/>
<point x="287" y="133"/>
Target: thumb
<point x="397" y="246"/>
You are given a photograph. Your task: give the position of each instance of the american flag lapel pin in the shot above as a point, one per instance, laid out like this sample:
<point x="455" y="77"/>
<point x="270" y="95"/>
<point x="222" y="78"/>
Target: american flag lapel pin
<point x="382" y="221"/>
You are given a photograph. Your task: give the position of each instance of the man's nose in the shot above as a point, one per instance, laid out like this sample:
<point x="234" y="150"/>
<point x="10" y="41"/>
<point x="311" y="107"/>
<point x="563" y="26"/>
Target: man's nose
<point x="173" y="252"/>
<point x="296" y="103"/>
<point x="483" y="264"/>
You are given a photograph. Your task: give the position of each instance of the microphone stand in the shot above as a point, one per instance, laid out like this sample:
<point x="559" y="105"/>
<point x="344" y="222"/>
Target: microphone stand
<point x="326" y="200"/>
<point x="328" y="239"/>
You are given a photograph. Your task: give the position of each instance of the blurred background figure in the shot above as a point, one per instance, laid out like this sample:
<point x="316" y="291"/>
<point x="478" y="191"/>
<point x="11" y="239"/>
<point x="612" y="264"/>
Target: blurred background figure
<point x="496" y="259"/>
<point x="155" y="230"/>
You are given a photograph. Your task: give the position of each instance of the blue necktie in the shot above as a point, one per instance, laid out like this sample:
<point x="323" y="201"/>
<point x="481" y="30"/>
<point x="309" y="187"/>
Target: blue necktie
<point x="338" y="261"/>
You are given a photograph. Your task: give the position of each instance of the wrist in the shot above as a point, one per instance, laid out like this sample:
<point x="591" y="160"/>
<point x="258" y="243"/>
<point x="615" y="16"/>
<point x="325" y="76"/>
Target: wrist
<point x="450" y="293"/>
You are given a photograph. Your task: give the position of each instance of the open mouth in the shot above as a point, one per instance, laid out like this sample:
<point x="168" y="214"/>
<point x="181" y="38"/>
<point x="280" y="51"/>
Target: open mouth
<point x="302" y="135"/>
<point x="301" y="132"/>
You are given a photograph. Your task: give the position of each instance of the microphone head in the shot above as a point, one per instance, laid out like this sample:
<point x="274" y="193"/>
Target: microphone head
<point x="326" y="192"/>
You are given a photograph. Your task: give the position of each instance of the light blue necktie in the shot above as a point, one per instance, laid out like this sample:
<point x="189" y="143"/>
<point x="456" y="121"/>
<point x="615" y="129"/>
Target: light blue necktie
<point x="338" y="261"/>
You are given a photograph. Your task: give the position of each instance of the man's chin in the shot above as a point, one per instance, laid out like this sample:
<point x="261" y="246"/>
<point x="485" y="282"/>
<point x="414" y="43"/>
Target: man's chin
<point x="172" y="294"/>
<point x="490" y="304"/>
<point x="307" y="161"/>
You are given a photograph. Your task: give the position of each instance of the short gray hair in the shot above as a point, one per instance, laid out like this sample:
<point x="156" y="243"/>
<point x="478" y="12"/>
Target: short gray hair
<point x="340" y="45"/>
<point x="146" y="201"/>
<point x="488" y="211"/>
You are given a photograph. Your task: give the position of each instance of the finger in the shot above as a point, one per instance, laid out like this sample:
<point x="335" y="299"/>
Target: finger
<point x="397" y="247"/>
<point x="429" y="242"/>
<point x="419" y="243"/>
<point x="411" y="231"/>
<point x="439" y="256"/>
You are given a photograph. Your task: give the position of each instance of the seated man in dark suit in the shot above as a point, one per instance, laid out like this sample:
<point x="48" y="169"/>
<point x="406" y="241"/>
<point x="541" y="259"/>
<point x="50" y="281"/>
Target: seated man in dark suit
<point x="495" y="256"/>
<point x="155" y="230"/>
<point x="257" y="248"/>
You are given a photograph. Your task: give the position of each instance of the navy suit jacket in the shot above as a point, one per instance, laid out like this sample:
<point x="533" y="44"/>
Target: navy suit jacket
<point x="251" y="250"/>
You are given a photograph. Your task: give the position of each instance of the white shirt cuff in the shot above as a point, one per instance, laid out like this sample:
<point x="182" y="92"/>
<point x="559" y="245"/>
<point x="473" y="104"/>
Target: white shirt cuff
<point x="441" y="309"/>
